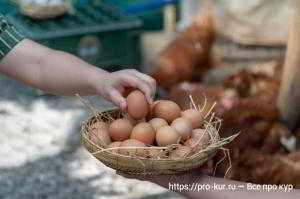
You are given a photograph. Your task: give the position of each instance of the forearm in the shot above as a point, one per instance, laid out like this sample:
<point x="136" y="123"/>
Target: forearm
<point x="222" y="191"/>
<point x="52" y="71"/>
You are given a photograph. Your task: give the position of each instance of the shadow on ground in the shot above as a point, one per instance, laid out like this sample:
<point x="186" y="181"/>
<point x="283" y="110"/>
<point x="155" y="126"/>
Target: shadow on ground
<point x="49" y="177"/>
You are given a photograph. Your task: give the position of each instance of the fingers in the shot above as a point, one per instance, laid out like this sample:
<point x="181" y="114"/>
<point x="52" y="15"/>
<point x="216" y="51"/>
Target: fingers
<point x="151" y="83"/>
<point x="121" y="89"/>
<point x="134" y="79"/>
<point x="117" y="98"/>
<point x="143" y="82"/>
<point x="135" y="82"/>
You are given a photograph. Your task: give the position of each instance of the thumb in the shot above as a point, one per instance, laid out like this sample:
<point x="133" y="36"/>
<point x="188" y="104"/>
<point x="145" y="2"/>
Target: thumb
<point x="117" y="98"/>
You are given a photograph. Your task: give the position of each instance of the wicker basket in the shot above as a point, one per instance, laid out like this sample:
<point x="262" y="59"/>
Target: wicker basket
<point x="140" y="165"/>
<point x="41" y="11"/>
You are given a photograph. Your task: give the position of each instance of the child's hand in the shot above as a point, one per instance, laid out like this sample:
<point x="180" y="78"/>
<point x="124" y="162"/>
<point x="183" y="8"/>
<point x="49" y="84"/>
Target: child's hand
<point x="115" y="84"/>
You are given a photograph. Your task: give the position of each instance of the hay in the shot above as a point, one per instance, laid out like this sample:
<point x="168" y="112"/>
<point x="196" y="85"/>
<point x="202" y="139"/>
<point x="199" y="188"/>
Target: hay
<point x="153" y="165"/>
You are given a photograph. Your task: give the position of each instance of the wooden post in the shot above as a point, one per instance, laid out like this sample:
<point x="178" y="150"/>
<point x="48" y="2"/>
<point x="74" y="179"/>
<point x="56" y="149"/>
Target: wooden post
<point x="288" y="101"/>
<point x="170" y="18"/>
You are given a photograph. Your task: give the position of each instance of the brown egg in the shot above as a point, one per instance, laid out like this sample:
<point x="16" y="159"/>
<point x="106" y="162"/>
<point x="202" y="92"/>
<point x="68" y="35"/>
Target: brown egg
<point x="192" y="142"/>
<point x="114" y="145"/>
<point x="167" y="135"/>
<point x="99" y="134"/>
<point x="130" y="119"/>
<point x="195" y="143"/>
<point x="167" y="110"/>
<point x="133" y="152"/>
<point x="143" y="132"/>
<point x="157" y="123"/>
<point x="150" y="114"/>
<point x="137" y="105"/>
<point x="201" y="134"/>
<point x="183" y="127"/>
<point x="180" y="152"/>
<point x="120" y="129"/>
<point x="194" y="116"/>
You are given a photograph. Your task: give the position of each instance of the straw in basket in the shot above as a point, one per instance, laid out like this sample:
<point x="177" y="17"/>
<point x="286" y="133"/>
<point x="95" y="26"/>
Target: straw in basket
<point x="154" y="165"/>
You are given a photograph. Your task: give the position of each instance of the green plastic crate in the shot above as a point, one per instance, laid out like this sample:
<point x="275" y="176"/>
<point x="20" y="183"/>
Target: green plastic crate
<point x="153" y="19"/>
<point x="6" y="7"/>
<point x="97" y="33"/>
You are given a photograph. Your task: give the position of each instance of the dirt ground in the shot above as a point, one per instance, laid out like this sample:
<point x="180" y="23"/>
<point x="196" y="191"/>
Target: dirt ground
<point x="41" y="154"/>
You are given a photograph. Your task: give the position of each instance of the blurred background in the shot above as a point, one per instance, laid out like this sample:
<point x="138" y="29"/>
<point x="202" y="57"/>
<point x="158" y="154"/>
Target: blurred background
<point x="230" y="50"/>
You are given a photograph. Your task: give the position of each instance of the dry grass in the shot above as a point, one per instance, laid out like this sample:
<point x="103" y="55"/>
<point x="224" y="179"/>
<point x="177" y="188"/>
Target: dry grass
<point x="157" y="164"/>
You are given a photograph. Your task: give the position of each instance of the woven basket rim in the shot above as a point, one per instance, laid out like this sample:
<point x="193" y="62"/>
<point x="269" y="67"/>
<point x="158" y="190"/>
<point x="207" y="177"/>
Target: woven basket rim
<point x="142" y="158"/>
<point x="107" y="157"/>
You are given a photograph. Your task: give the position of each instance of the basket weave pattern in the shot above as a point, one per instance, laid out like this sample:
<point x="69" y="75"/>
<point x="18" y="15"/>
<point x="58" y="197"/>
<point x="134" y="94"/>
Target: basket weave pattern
<point x="140" y="165"/>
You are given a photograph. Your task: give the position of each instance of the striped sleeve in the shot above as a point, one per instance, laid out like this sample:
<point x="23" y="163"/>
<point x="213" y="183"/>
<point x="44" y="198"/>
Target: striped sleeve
<point x="9" y="37"/>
